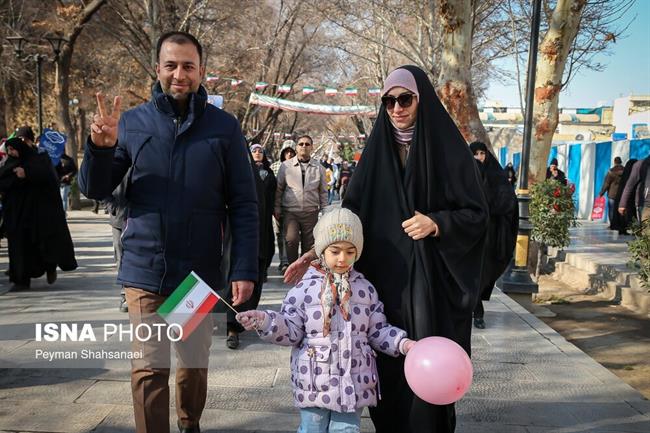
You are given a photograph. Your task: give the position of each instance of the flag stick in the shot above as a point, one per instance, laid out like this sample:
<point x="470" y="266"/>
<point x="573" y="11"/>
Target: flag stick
<point x="228" y="305"/>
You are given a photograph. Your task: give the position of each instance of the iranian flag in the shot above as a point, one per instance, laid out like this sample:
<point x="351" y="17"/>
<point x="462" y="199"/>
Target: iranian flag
<point x="308" y="90"/>
<point x="234" y="83"/>
<point x="261" y="85"/>
<point x="188" y="305"/>
<point x="351" y="91"/>
<point x="374" y="91"/>
<point x="284" y="88"/>
<point x="211" y="77"/>
<point x="330" y="91"/>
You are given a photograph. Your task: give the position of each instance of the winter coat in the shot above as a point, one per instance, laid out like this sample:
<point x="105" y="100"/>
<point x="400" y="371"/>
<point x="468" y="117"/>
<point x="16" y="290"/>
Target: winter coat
<point x="336" y="372"/>
<point x="637" y="186"/>
<point x="612" y="182"/>
<point x="186" y="174"/>
<point x="293" y="194"/>
<point x="66" y="167"/>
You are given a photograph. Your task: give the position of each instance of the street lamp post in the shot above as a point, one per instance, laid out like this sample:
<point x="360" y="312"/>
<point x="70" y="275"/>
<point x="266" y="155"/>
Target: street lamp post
<point x="517" y="278"/>
<point x="19" y="43"/>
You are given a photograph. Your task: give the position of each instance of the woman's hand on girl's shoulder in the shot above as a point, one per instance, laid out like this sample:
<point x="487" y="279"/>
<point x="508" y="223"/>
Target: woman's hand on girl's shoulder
<point x="297" y="269"/>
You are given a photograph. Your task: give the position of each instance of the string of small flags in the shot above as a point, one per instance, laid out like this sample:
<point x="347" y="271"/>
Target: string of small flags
<point x="287" y="135"/>
<point x="286" y="88"/>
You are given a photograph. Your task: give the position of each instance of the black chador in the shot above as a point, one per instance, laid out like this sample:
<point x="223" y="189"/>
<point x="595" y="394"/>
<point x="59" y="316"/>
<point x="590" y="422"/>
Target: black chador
<point x="504" y="220"/>
<point x="34" y="221"/>
<point x="429" y="287"/>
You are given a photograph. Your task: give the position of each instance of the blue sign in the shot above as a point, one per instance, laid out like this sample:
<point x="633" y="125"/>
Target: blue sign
<point x="54" y="143"/>
<point x="216" y="100"/>
<point x="617" y="136"/>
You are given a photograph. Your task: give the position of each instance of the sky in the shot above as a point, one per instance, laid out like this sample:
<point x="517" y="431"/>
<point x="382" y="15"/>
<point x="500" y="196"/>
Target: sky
<point x="627" y="70"/>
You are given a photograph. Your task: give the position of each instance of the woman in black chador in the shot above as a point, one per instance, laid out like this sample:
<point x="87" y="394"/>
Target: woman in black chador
<point x="418" y="194"/>
<point x="38" y="236"/>
<point x="504" y="222"/>
<point x="625" y="221"/>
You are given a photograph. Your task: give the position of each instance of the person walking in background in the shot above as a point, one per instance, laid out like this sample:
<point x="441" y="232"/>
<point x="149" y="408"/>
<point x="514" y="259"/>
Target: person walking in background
<point x="115" y="206"/>
<point x="553" y="172"/>
<point x="638" y="187"/>
<point x="511" y="174"/>
<point x="330" y="180"/>
<point x="301" y="194"/>
<point x="66" y="170"/>
<point x="344" y="178"/>
<point x="189" y="170"/>
<point x="626" y="217"/>
<point x="611" y="185"/>
<point x="502" y="228"/>
<point x="38" y="235"/>
<point x="335" y="317"/>
<point x="265" y="186"/>
<point x="286" y="153"/>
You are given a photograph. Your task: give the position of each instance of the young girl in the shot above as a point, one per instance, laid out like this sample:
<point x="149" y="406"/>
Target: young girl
<point x="333" y="319"/>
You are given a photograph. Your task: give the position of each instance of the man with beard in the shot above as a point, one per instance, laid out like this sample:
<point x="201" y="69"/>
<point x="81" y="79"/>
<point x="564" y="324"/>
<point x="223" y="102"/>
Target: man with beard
<point x="188" y="170"/>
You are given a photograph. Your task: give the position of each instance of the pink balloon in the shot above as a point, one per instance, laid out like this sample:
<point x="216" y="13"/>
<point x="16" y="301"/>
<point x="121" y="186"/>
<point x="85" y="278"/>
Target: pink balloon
<point x="438" y="370"/>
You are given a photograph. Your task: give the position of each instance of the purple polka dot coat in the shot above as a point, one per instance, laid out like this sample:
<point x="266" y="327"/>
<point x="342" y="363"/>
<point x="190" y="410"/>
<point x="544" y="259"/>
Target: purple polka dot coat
<point x="336" y="372"/>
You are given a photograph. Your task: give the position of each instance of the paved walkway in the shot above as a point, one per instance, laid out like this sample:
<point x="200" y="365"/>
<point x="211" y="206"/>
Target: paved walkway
<point x="528" y="379"/>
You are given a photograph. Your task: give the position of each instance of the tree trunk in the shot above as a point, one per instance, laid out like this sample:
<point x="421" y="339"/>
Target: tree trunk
<point x="62" y="93"/>
<point x="62" y="79"/>
<point x="551" y="60"/>
<point x="3" y="112"/>
<point x="455" y="83"/>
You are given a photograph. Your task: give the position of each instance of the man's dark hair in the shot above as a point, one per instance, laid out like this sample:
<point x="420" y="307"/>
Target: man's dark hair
<point x="179" y="38"/>
<point x="311" y="140"/>
<point x="618" y="160"/>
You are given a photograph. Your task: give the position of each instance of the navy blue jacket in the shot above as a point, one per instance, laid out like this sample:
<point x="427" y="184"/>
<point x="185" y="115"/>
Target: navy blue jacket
<point x="186" y="174"/>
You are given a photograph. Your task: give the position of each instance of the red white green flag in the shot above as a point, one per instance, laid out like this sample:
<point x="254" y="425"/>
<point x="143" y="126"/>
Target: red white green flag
<point x="374" y="91"/>
<point x="308" y="90"/>
<point x="261" y="85"/>
<point x="211" y="77"/>
<point x="188" y="305"/>
<point x="330" y="91"/>
<point x="284" y="88"/>
<point x="351" y="91"/>
<point x="234" y="83"/>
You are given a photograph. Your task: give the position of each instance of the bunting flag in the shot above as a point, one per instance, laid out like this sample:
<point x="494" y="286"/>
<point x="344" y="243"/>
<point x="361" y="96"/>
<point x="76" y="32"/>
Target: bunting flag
<point x="303" y="107"/>
<point x="284" y="88"/>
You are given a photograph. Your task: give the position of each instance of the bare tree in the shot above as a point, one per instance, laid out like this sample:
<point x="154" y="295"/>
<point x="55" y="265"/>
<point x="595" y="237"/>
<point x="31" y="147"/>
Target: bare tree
<point x="80" y="17"/>
<point x="455" y="86"/>
<point x="577" y="30"/>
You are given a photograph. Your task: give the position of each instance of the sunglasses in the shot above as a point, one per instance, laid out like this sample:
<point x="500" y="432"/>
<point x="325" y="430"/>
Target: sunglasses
<point x="404" y="100"/>
<point x="304" y="143"/>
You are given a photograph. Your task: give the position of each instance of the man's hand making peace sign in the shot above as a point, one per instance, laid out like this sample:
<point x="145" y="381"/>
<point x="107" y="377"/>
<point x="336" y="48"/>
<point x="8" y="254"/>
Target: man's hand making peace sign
<point x="103" y="131"/>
